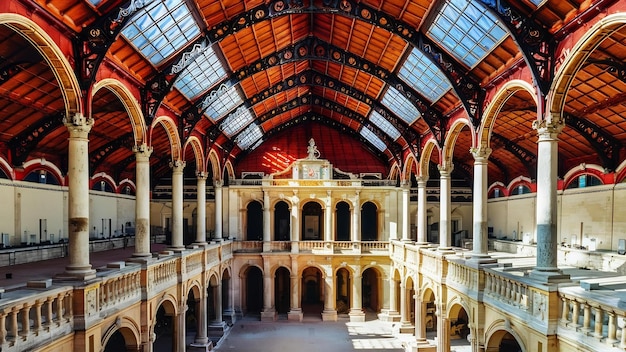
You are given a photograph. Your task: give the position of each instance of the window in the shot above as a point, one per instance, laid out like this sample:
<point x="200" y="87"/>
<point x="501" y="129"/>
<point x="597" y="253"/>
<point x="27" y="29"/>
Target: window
<point x="221" y="101"/>
<point x="236" y="121"/>
<point x="249" y="136"/>
<point x="424" y="76"/>
<point x="399" y="104"/>
<point x="201" y="74"/>
<point x="373" y="138"/>
<point x="468" y="30"/>
<point x="161" y="28"/>
<point x="384" y="124"/>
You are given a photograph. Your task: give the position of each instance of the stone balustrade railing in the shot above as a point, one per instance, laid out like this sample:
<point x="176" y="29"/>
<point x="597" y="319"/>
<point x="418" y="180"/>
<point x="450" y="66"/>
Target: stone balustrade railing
<point x="162" y="274"/>
<point x="432" y="264"/>
<point x="193" y="262"/>
<point x="120" y="289"/>
<point x="462" y="277"/>
<point x="227" y="250"/>
<point x="33" y="317"/>
<point x="317" y="247"/>
<point x="508" y="290"/>
<point x="596" y="319"/>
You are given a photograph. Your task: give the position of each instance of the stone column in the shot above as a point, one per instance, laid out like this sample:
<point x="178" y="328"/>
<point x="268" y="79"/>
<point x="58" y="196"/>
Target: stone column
<point x="393" y="300"/>
<point x="445" y="230"/>
<point x="201" y="209"/>
<point x="356" y="309"/>
<point x="546" y="269"/>
<point x="267" y="229"/>
<point x="405" y="326"/>
<point x="142" y="201"/>
<point x="177" y="205"/>
<point x="219" y="207"/>
<point x="295" y="223"/>
<point x="268" y="313"/>
<point x="406" y="234"/>
<point x="356" y="218"/>
<point x="330" y="310"/>
<point x="443" y="330"/>
<point x="201" y="307"/>
<point x="328" y="212"/>
<point x="218" y="324"/>
<point x="78" y="198"/>
<point x="422" y="225"/>
<point x="479" y="241"/>
<point x="295" y="311"/>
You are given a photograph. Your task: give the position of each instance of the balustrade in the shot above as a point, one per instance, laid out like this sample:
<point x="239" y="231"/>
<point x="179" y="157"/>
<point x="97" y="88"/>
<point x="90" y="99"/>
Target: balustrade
<point x="507" y="289"/>
<point x="119" y="289"/>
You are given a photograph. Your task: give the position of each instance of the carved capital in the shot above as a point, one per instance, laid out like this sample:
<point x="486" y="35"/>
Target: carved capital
<point x="78" y="125"/>
<point x="421" y="180"/>
<point x="445" y="168"/>
<point x="177" y="165"/>
<point x="548" y="129"/>
<point x="218" y="183"/>
<point x="142" y="151"/>
<point x="201" y="175"/>
<point x="481" y="153"/>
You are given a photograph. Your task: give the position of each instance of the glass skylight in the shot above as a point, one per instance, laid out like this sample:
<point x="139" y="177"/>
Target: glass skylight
<point x="249" y="136"/>
<point x="221" y="101"/>
<point x="95" y="2"/>
<point x="384" y="124"/>
<point x="236" y="121"/>
<point x="373" y="138"/>
<point x="399" y="104"/>
<point x="161" y="28"/>
<point x="424" y="76"/>
<point x="468" y="30"/>
<point x="201" y="74"/>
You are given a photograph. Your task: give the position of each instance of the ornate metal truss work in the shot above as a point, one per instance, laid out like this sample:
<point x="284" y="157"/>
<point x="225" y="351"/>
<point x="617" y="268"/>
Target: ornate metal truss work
<point x="24" y="143"/>
<point x="607" y="146"/>
<point x="528" y="159"/>
<point x="97" y="156"/>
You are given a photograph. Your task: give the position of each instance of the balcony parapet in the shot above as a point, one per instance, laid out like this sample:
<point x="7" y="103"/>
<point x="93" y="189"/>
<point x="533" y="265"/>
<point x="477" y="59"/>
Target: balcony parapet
<point x="594" y="318"/>
<point x="30" y="318"/>
<point x="315" y="247"/>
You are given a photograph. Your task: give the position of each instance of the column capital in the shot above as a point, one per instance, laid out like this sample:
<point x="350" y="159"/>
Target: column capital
<point x="548" y="129"/>
<point x="201" y="175"/>
<point x="177" y="165"/>
<point x="78" y="125"/>
<point x="405" y="184"/>
<point x="218" y="183"/>
<point x="143" y="150"/>
<point x="445" y="169"/>
<point x="481" y="154"/>
<point x="421" y="179"/>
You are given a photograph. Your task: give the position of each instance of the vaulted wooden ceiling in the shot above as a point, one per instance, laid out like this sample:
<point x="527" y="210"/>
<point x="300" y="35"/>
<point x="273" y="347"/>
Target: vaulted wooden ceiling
<point x="298" y="63"/>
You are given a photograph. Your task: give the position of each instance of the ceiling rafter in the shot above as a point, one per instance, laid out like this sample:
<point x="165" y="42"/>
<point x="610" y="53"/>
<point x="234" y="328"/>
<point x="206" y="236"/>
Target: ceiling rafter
<point x="607" y="146"/>
<point x="97" y="157"/>
<point x="24" y="143"/>
<point x="528" y="159"/>
<point x="501" y="166"/>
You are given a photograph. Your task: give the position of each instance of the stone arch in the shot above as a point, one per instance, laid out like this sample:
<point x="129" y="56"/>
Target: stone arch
<point x="128" y="328"/>
<point x="583" y="169"/>
<point x="576" y="57"/>
<point x="230" y="171"/>
<point x="450" y="141"/>
<point x="409" y="163"/>
<point x="213" y="161"/>
<point x="520" y="180"/>
<point x="251" y="284"/>
<point x="395" y="171"/>
<point x="7" y="169"/>
<point x="166" y="323"/>
<point x="372" y="292"/>
<point x="126" y="182"/>
<point x="102" y="176"/>
<point x="172" y="134"/>
<point x="459" y="316"/>
<point x="427" y="151"/>
<point x="42" y="164"/>
<point x="497" y="331"/>
<point x="56" y="59"/>
<point x="490" y="115"/>
<point x="130" y="105"/>
<point x="198" y="153"/>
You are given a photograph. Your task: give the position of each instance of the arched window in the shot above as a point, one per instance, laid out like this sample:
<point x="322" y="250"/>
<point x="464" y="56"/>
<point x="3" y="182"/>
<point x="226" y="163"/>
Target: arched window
<point x="311" y="221"/>
<point x="281" y="222"/>
<point x="254" y="231"/>
<point x="586" y="180"/>
<point x="342" y="221"/>
<point x="369" y="222"/>
<point x="521" y="189"/>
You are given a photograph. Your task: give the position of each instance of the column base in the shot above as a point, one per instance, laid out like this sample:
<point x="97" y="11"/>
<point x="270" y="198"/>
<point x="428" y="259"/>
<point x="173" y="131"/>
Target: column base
<point x="200" y="346"/>
<point x="268" y="315"/>
<point x="389" y="316"/>
<point x="480" y="259"/>
<point x="445" y="250"/>
<point x="295" y="315"/>
<point x="82" y="273"/>
<point x="267" y="246"/>
<point x="229" y="314"/>
<point x="404" y="328"/>
<point x="420" y="345"/>
<point x="550" y="276"/>
<point x="329" y="315"/>
<point x="217" y="327"/>
<point x="295" y="247"/>
<point x="356" y="316"/>
<point x="176" y="249"/>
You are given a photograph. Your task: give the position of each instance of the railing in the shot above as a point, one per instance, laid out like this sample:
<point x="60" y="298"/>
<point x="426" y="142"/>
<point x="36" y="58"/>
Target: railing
<point x="431" y="264"/>
<point x="161" y="275"/>
<point x="212" y="256"/>
<point x="193" y="262"/>
<point x="374" y="246"/>
<point x="120" y="289"/>
<point x="310" y="246"/>
<point x="227" y="250"/>
<point x="594" y="319"/>
<point x="508" y="290"/>
<point x="34" y="318"/>
<point x="248" y="246"/>
<point x="280" y="246"/>
<point x="463" y="276"/>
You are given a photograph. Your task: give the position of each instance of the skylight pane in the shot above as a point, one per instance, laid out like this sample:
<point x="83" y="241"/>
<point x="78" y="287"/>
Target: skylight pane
<point x="221" y="101"/>
<point x="161" y="28"/>
<point x="382" y="123"/>
<point x="400" y="105"/>
<point x="249" y="136"/>
<point x="468" y="30"/>
<point x="424" y="76"/>
<point x="373" y="138"/>
<point x="201" y="74"/>
<point x="236" y="121"/>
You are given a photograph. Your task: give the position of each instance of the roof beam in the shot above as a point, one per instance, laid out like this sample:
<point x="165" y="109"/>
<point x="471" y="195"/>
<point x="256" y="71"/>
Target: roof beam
<point x="528" y="159"/>
<point x="24" y="143"/>
<point x="97" y="157"/>
<point x="607" y="146"/>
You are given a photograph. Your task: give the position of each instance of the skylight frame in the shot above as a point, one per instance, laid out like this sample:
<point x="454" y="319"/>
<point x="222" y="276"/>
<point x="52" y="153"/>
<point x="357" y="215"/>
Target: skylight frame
<point x="161" y="29"/>
<point x="397" y="102"/>
<point x="250" y="136"/>
<point x="234" y="122"/>
<point x="221" y="102"/>
<point x="461" y="22"/>
<point x="419" y="72"/>
<point x="201" y="74"/>
<point x="377" y="119"/>
<point x="371" y="137"/>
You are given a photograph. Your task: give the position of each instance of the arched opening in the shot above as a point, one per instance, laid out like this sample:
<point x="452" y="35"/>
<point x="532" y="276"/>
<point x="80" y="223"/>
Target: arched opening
<point x="342" y="221"/>
<point x="226" y="300"/>
<point x="459" y="326"/>
<point x="371" y="290"/>
<point x="369" y="222"/>
<point x="311" y="221"/>
<point x="343" y="284"/>
<point x="312" y="291"/>
<point x="503" y="341"/>
<point x="254" y="214"/>
<point x="191" y="317"/>
<point x="164" y="329"/>
<point x="116" y="343"/>
<point x="254" y="291"/>
<point x="281" y="221"/>
<point x="282" y="290"/>
<point x="430" y="316"/>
